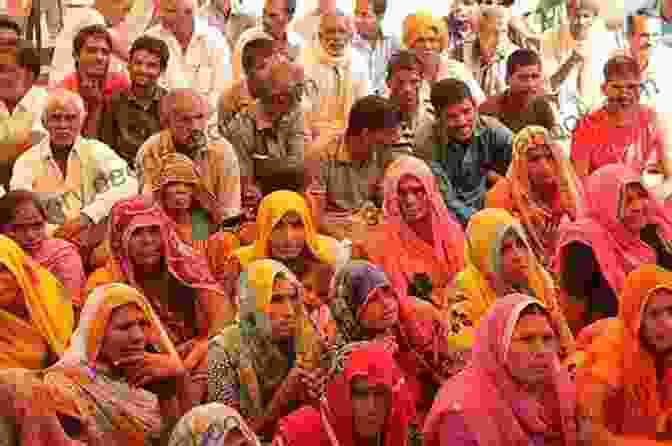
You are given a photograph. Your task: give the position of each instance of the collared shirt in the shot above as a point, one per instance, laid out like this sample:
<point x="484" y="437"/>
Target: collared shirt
<point x="291" y="46"/>
<point x="101" y="179"/>
<point x="205" y="66"/>
<point x="265" y="148"/>
<point x="217" y="164"/>
<point x="377" y="59"/>
<point x="459" y="167"/>
<point x="347" y="183"/>
<point x="127" y="122"/>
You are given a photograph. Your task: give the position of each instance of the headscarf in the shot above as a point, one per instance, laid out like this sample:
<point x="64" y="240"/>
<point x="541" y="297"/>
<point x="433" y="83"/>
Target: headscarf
<point x="210" y="425"/>
<point x="423" y="21"/>
<point x="259" y="358"/>
<point x="86" y="385"/>
<point x="616" y="249"/>
<point x="271" y="210"/>
<point x="536" y="215"/>
<point x="619" y="359"/>
<point x="333" y="424"/>
<point x="485" y="393"/>
<point x="49" y="306"/>
<point x="447" y="232"/>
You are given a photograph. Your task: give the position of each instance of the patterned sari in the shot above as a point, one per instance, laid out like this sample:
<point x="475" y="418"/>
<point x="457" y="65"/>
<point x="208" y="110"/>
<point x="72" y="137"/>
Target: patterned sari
<point x="210" y="425"/>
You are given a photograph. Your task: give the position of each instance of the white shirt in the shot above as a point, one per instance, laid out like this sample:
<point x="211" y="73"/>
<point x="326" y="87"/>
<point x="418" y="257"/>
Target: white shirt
<point x="205" y="66"/>
<point x="103" y="178"/>
<point x="35" y="102"/>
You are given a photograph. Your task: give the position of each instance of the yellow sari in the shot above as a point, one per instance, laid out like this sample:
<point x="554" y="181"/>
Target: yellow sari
<point x="27" y="344"/>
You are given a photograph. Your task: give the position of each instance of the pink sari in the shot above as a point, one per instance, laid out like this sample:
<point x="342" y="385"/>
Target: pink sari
<point x="484" y="394"/>
<point x="399" y="250"/>
<point x="62" y="259"/>
<point x="617" y="250"/>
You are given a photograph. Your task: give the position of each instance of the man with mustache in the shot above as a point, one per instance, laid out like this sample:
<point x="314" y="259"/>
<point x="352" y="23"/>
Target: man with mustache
<point x="339" y="71"/>
<point x="468" y="152"/>
<point x="185" y="113"/>
<point x="623" y="131"/>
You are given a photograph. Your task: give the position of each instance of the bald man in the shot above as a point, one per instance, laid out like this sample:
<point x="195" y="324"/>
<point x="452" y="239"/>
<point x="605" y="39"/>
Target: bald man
<point x="184" y="114"/>
<point x="200" y="57"/>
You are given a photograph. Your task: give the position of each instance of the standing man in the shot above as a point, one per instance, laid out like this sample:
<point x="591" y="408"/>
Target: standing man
<point x="131" y="116"/>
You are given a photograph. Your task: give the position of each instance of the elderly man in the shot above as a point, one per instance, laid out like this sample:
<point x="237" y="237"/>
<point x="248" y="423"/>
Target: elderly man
<point x="185" y="113"/>
<point x="339" y="71"/>
<point x="21" y="105"/>
<point x="93" y="80"/>
<point x="79" y="179"/>
<point x="199" y="55"/>
<point x="131" y="116"/>
<point x="269" y="136"/>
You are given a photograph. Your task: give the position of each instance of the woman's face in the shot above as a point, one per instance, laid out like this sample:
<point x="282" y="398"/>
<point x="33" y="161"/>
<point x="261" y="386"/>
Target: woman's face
<point x="533" y="349"/>
<point x="541" y="166"/>
<point x="145" y="247"/>
<point x="9" y="287"/>
<point x="413" y="199"/>
<point x="515" y="260"/>
<point x="288" y="238"/>
<point x="178" y="196"/>
<point x="28" y="227"/>
<point x="381" y="311"/>
<point x="282" y="309"/>
<point x="657" y="322"/>
<point x="315" y="292"/>
<point x="125" y="334"/>
<point x="635" y="207"/>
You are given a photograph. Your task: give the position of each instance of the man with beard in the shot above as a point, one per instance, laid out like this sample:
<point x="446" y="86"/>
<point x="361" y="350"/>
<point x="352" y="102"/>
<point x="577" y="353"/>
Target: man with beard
<point x="467" y="152"/>
<point x="185" y="113"/>
<point x="374" y="45"/>
<point x="339" y="72"/>
<point x="132" y="116"/>
<point x="623" y="131"/>
<point x="403" y="81"/>
<point x="93" y="80"/>
<point x="522" y="104"/>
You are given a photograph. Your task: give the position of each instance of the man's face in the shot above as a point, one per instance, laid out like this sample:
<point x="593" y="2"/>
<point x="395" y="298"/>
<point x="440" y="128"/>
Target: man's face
<point x="280" y="96"/>
<point x="370" y="408"/>
<point x="261" y="71"/>
<point x="405" y="89"/>
<point x="177" y="15"/>
<point x="526" y="80"/>
<point x="427" y="44"/>
<point x="15" y="81"/>
<point x="144" y="68"/>
<point x="188" y="119"/>
<point x="656" y="327"/>
<point x="622" y="92"/>
<point x="365" y="20"/>
<point x="581" y="22"/>
<point x="94" y="57"/>
<point x="458" y="120"/>
<point x="64" y="124"/>
<point x="335" y="34"/>
<point x="276" y="18"/>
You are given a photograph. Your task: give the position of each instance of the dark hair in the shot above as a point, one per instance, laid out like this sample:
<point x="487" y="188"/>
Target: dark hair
<point x="621" y="66"/>
<point x="379" y="7"/>
<point x="372" y="112"/>
<point x="505" y="3"/>
<point x="402" y="60"/>
<point x="533" y="308"/>
<point x="253" y="49"/>
<point x="28" y="57"/>
<point x="288" y="179"/>
<point x="153" y="45"/>
<point x="85" y="33"/>
<point x="449" y="92"/>
<point x="522" y="57"/>
<point x="14" y="199"/>
<point x="8" y="22"/>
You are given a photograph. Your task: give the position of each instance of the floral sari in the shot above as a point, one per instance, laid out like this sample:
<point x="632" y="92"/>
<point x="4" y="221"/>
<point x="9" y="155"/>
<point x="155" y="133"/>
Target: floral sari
<point x="210" y="425"/>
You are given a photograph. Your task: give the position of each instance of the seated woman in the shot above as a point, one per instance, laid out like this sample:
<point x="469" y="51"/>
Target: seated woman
<point x="367" y="307"/>
<point x="36" y="315"/>
<point x="120" y="382"/>
<point x="286" y="233"/>
<point x="269" y="362"/>
<point x="213" y="424"/>
<point x="419" y="235"/>
<point x="540" y="189"/>
<point x="366" y="402"/>
<point x="24" y="220"/>
<point x="149" y="256"/>
<point x="514" y="391"/>
<point x="625" y="381"/>
<point x="624" y="227"/>
<point x="499" y="262"/>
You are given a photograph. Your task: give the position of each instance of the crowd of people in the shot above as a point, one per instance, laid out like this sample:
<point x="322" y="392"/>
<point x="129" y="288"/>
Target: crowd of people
<point x="238" y="228"/>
